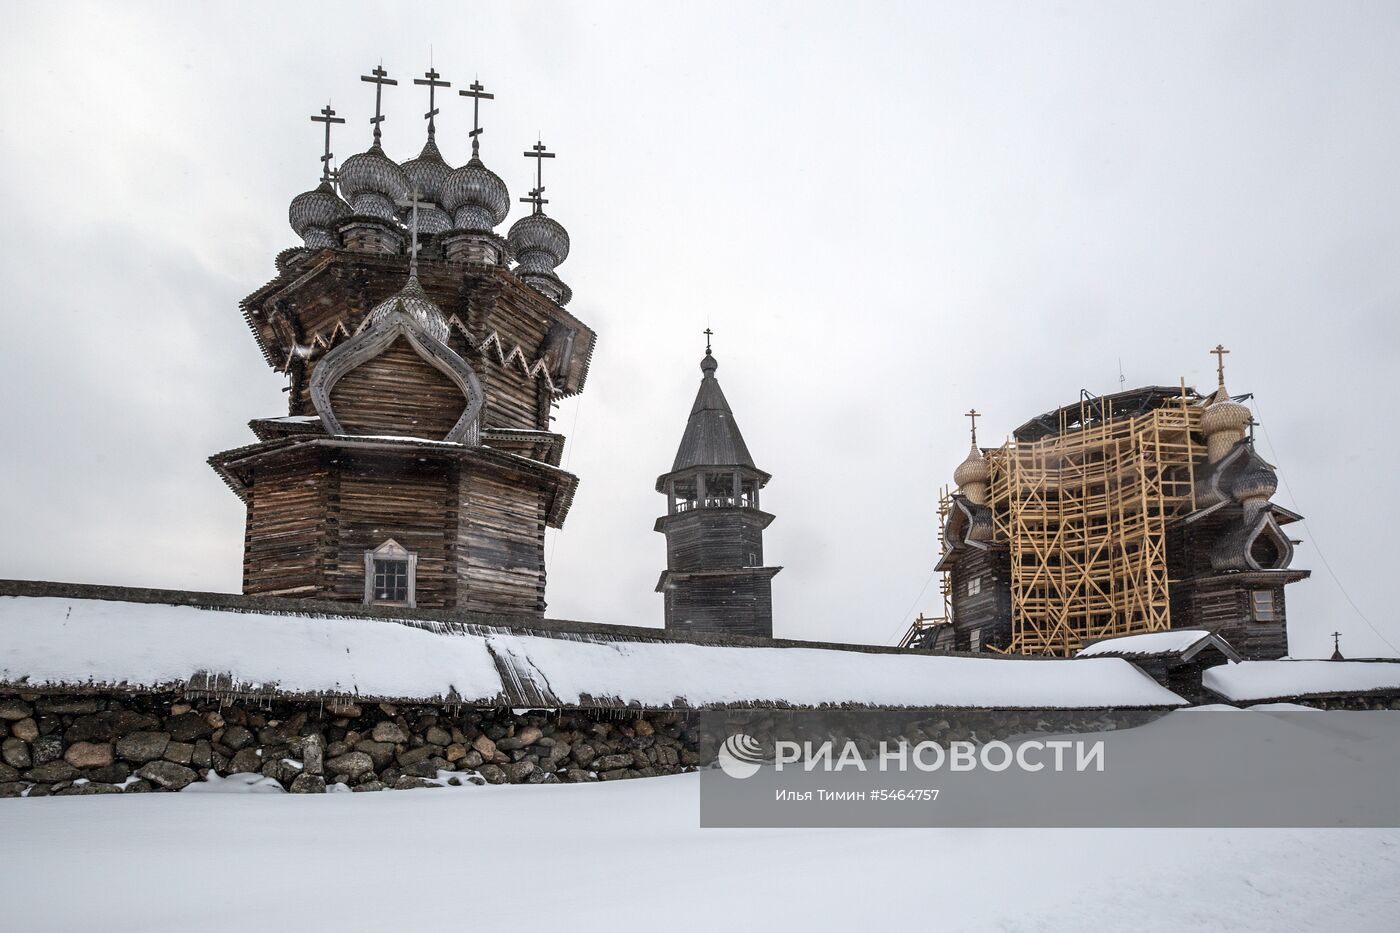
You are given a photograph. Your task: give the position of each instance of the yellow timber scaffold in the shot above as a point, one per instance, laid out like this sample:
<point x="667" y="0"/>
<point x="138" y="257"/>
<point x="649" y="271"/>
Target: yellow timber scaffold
<point x="1085" y="516"/>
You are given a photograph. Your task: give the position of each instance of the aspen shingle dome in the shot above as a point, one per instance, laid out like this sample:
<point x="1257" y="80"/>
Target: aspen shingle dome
<point x="373" y="183"/>
<point x="476" y="197"/>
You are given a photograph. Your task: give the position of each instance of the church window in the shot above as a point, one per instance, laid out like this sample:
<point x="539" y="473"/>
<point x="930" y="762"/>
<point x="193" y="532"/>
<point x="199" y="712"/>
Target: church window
<point x="974" y="640"/>
<point x="974" y="586"/>
<point x="390" y="572"/>
<point x="1263" y="605"/>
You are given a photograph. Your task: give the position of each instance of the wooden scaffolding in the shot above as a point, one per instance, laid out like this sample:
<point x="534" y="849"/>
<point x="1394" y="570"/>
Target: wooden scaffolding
<point x="1084" y="513"/>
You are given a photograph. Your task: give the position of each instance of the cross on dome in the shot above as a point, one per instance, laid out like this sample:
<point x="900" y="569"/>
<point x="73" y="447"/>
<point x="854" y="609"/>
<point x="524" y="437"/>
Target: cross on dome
<point x="430" y="80"/>
<point x="378" y="77"/>
<point x="327" y="117"/>
<point x="477" y="92"/>
<point x="536" y="197"/>
<point x="974" y="415"/>
<point x="1220" y="352"/>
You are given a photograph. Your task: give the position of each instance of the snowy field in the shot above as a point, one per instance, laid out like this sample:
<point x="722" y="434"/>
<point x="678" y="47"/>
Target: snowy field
<point x="629" y="855"/>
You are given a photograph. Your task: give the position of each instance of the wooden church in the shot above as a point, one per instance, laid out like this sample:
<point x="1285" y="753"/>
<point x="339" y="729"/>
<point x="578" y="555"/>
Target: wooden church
<point x="424" y="352"/>
<point x="1136" y="512"/>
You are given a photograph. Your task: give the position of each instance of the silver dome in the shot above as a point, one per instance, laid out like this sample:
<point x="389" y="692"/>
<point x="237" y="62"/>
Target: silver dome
<point x="539" y="243"/>
<point x="373" y="183"/>
<point x="414" y="302"/>
<point x="476" y="197"/>
<point x="428" y="172"/>
<point x="313" y="213"/>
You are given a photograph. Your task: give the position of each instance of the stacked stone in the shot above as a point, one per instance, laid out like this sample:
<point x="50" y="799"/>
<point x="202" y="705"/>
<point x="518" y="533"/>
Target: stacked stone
<point x="98" y="745"/>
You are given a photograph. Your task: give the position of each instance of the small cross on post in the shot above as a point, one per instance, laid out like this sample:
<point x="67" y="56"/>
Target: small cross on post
<point x="411" y="202"/>
<point x="477" y="92"/>
<point x="433" y="84"/>
<point x="378" y="77"/>
<point x="708" y="334"/>
<point x="1220" y="352"/>
<point x="539" y="154"/>
<point x="1337" y="644"/>
<point x="327" y="117"/>
<point x="974" y="415"/>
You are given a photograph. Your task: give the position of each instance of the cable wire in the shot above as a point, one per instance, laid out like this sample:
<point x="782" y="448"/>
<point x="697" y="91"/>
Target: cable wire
<point x="1317" y="546"/>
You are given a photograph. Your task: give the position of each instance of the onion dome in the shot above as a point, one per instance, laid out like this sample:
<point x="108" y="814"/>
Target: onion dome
<point x="708" y="364"/>
<point x="312" y="215"/>
<point x="1254" y="480"/>
<point x="373" y="183"/>
<point x="413" y="301"/>
<point x="1224" y="414"/>
<point x="427" y="174"/>
<point x="972" y="475"/>
<point x="1223" y="423"/>
<point x="972" y="470"/>
<point x="476" y="197"/>
<point x="539" y="243"/>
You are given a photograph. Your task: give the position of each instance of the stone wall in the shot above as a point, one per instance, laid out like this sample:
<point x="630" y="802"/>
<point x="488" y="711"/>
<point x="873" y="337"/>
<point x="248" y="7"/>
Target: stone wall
<point x="71" y="745"/>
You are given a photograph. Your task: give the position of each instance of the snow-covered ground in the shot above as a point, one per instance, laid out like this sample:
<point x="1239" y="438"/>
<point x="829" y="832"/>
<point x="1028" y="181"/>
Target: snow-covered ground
<point x="630" y="855"/>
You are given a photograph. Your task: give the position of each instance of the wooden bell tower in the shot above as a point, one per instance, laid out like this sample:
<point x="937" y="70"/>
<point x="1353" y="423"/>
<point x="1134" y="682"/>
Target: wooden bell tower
<point x="715" y="582"/>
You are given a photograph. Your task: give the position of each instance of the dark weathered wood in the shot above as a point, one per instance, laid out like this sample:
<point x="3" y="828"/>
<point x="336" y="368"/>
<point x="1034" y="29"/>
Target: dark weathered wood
<point x="474" y="517"/>
<point x="398" y="393"/>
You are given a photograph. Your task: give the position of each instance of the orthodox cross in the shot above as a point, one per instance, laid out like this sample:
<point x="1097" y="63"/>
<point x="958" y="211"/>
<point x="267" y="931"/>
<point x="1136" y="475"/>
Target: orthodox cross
<point x="477" y="92"/>
<point x="411" y="202"/>
<point x="433" y="84"/>
<point x="1336" y="643"/>
<point x="539" y="154"/>
<point x="378" y="77"/>
<point x="708" y="334"/>
<point x="327" y="117"/>
<point x="1220" y="352"/>
<point x="974" y="415"/>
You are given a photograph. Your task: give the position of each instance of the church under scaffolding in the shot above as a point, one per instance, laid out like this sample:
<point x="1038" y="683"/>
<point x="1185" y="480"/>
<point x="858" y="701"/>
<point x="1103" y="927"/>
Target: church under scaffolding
<point x="1135" y="512"/>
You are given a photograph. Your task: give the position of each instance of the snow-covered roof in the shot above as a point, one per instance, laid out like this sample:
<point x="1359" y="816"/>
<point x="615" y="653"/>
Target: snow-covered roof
<point x="63" y="642"/>
<point x="1268" y="680"/>
<point x="1184" y="643"/>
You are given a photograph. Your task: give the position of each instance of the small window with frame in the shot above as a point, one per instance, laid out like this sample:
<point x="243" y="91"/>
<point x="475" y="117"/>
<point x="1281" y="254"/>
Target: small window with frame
<point x="1262" y="602"/>
<point x="974" y="586"/>
<point x="390" y="575"/>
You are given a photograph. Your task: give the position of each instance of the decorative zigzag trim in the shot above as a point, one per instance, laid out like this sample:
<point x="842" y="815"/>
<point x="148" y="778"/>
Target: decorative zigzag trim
<point x="539" y="369"/>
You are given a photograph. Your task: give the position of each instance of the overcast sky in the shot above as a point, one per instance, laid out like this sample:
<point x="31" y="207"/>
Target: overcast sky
<point x="888" y="213"/>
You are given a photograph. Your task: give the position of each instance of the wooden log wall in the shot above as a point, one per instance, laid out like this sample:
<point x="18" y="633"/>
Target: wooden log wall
<point x="988" y="612"/>
<point x="284" y="529"/>
<point x="398" y="393"/>
<point x="715" y="539"/>
<point x="500" y="543"/>
<point x="382" y="498"/>
<point x="721" y="604"/>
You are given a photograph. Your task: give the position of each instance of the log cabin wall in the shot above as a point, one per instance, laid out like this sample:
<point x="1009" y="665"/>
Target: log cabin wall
<point x="987" y="611"/>
<point x="284" y="530"/>
<point x="1225" y="607"/>
<point x="398" y="393"/>
<point x="382" y="498"/>
<point x="499" y="543"/>
<point x="721" y="604"/>
<point x="1223" y="603"/>
<point x="715" y="539"/>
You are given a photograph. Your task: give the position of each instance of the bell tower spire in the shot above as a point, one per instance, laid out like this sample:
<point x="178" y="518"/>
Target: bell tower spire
<point x="715" y="582"/>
